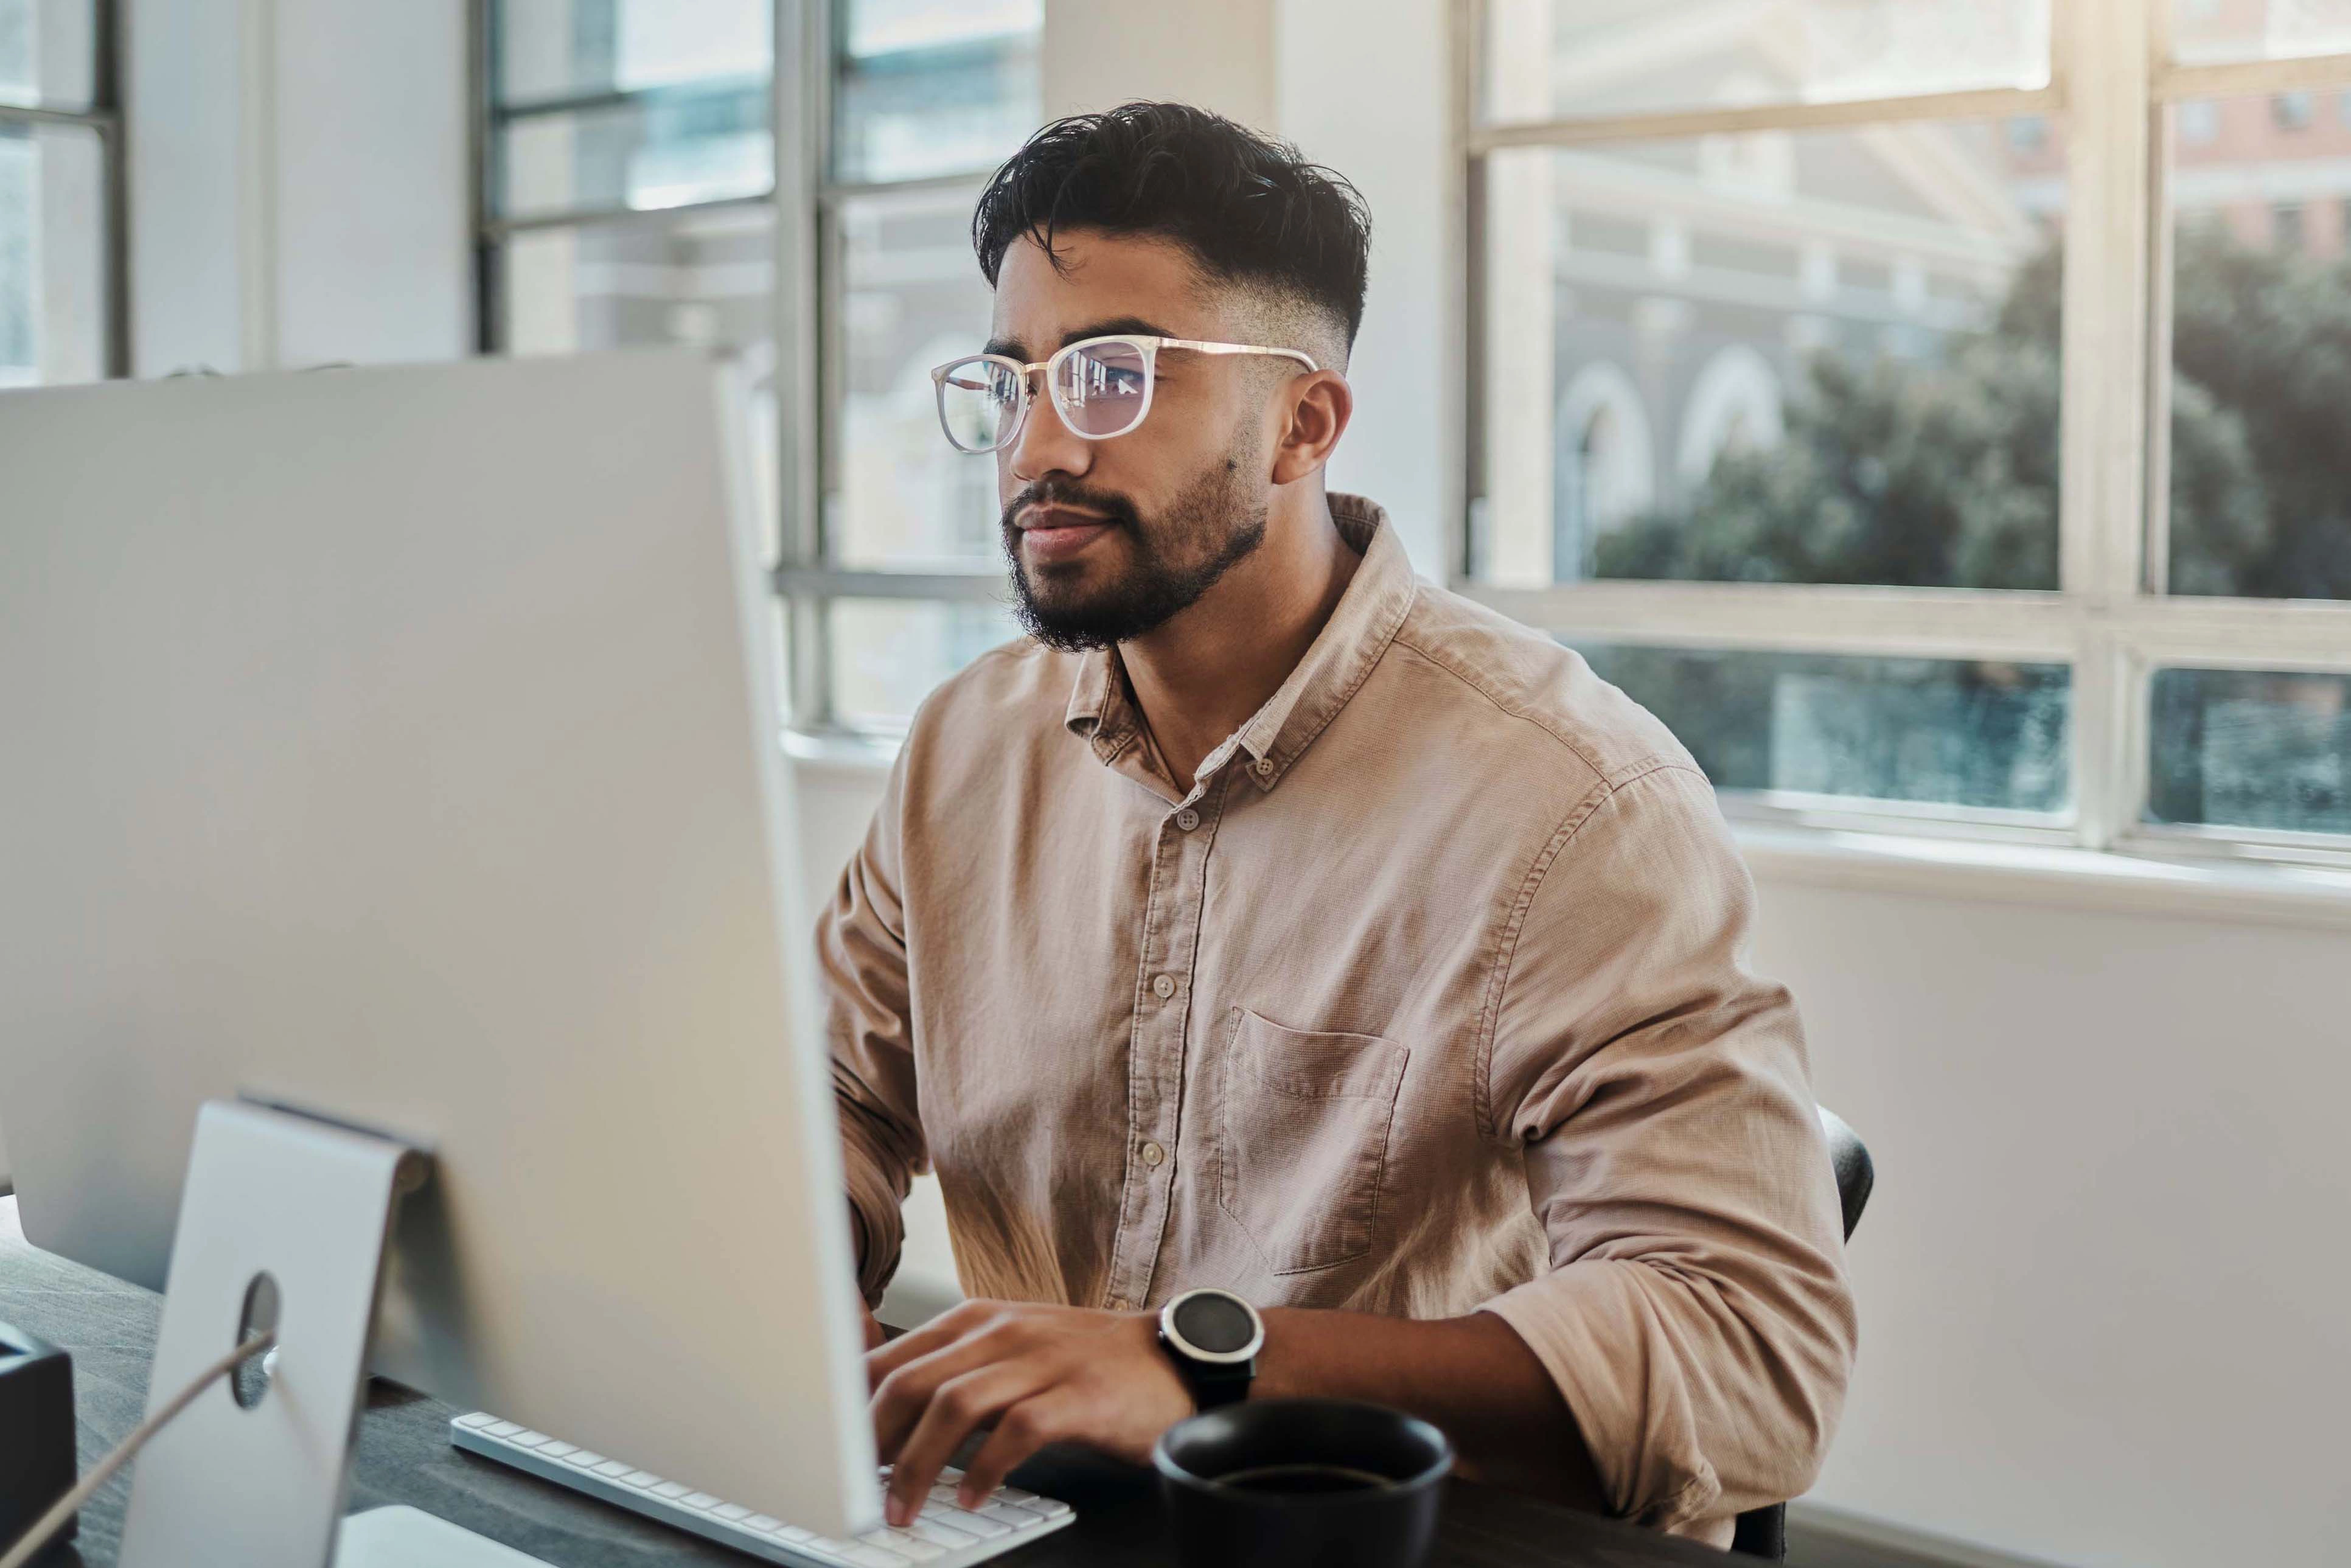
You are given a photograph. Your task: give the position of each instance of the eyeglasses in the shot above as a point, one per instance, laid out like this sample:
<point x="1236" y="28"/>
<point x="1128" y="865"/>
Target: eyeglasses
<point x="1101" y="388"/>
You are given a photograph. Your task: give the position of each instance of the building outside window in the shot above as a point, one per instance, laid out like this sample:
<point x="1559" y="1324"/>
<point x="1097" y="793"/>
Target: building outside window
<point x="1963" y="512"/>
<point x="61" y="286"/>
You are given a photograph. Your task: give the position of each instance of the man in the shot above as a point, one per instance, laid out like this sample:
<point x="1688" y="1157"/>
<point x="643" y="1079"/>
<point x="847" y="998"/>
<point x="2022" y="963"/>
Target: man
<point x="1271" y="922"/>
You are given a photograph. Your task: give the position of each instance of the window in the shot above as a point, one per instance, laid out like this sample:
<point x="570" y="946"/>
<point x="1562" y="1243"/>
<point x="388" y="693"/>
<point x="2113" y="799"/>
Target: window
<point x="678" y="170"/>
<point x="1823" y="393"/>
<point x="61" y="286"/>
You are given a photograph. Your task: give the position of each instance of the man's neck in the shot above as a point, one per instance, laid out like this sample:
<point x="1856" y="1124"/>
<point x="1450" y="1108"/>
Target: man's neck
<point x="1200" y="676"/>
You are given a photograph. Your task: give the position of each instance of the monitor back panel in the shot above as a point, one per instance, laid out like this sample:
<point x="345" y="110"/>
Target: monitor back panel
<point x="403" y="743"/>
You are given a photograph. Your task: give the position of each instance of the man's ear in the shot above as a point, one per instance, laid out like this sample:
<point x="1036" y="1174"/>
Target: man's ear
<point x="1319" y="405"/>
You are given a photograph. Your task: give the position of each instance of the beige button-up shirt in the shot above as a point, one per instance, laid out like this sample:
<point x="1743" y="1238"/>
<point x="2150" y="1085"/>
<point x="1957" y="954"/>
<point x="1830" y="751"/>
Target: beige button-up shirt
<point x="1425" y="997"/>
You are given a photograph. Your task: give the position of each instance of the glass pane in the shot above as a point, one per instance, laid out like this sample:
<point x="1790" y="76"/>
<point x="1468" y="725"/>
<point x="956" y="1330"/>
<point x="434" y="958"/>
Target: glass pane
<point x="887" y="654"/>
<point x="934" y="87"/>
<point x="913" y="298"/>
<point x="1945" y="731"/>
<point x="2251" y="748"/>
<point x="52" y="255"/>
<point x="2261" y="355"/>
<point x="666" y="149"/>
<point x="699" y="277"/>
<point x="1775" y="356"/>
<point x="569" y="48"/>
<point x="2206" y="31"/>
<point x="49" y="52"/>
<point x="1548" y="59"/>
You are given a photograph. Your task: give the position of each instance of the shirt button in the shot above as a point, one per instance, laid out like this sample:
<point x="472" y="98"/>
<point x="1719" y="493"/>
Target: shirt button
<point x="1163" y="987"/>
<point x="1152" y="1153"/>
<point x="1188" y="818"/>
<point x="1121" y="1304"/>
<point x="1264" y="767"/>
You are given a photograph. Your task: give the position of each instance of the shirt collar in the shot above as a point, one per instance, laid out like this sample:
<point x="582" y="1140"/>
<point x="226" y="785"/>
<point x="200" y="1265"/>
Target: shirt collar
<point x="1361" y="626"/>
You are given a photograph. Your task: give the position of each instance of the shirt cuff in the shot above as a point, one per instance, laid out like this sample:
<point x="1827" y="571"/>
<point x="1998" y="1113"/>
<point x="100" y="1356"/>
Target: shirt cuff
<point x="1611" y="1353"/>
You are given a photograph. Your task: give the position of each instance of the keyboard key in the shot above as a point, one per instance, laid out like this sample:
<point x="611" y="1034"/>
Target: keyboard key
<point x="1014" y="1494"/>
<point x="640" y="1480"/>
<point x="795" y="1535"/>
<point x="554" y="1450"/>
<point x="698" y="1500"/>
<point x="765" y="1524"/>
<point x="979" y="1524"/>
<point x="731" y="1512"/>
<point x="1051" y="1507"/>
<point x="537" y="1441"/>
<point x="866" y="1556"/>
<point x="476" y="1421"/>
<point x="1012" y="1516"/>
<point x="671" y="1491"/>
<point x="908" y="1544"/>
<point x="583" y="1459"/>
<point x="612" y="1470"/>
<point x="503" y="1429"/>
<point x="939" y="1532"/>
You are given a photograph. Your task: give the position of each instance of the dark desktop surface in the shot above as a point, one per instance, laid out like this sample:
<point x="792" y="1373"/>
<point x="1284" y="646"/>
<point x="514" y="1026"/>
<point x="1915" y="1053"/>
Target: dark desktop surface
<point x="404" y="1456"/>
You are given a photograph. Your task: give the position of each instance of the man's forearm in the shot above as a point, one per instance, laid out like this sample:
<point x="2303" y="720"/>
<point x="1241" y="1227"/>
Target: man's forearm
<point x="1472" y="1377"/>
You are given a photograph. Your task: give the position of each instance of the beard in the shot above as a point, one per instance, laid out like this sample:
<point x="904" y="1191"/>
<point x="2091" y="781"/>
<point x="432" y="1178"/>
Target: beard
<point x="1173" y="559"/>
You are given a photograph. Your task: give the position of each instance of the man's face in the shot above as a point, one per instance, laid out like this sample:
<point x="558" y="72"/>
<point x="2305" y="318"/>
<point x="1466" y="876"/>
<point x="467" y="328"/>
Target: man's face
<point x="1110" y="539"/>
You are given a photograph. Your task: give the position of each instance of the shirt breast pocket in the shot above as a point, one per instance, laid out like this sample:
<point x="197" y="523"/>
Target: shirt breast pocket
<point x="1303" y="1138"/>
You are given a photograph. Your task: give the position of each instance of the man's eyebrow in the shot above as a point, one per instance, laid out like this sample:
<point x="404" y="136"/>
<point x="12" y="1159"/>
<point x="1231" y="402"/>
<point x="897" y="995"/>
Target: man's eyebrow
<point x="1116" y="327"/>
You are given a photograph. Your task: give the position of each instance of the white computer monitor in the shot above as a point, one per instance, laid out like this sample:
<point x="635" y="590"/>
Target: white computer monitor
<point x="404" y="743"/>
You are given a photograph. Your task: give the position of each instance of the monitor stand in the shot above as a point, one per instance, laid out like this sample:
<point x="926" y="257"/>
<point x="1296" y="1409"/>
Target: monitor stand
<point x="282" y="1225"/>
<point x="403" y="1537"/>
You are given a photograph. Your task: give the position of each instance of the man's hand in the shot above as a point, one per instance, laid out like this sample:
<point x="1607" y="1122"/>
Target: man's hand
<point x="1041" y="1375"/>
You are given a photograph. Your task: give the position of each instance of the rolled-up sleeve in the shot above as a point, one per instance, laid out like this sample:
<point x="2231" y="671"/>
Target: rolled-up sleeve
<point x="1696" y="1315"/>
<point x="862" y="945"/>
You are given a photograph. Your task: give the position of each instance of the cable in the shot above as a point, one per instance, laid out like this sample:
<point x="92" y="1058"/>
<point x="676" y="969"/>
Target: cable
<point x="50" y="1523"/>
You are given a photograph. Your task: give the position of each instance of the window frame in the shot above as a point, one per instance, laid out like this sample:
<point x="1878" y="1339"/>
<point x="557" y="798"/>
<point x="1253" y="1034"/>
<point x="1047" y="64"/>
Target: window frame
<point x="2113" y="79"/>
<point x="103" y="116"/>
<point x="808" y="200"/>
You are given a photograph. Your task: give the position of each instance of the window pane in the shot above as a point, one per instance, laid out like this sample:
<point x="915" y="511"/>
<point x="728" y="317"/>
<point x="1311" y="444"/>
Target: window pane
<point x="887" y="654"/>
<point x="699" y="277"/>
<point x="2251" y="748"/>
<point x="1776" y="357"/>
<point x="49" y="52"/>
<point x="2260" y="350"/>
<point x="913" y="298"/>
<point x="569" y="48"/>
<point x="666" y="149"/>
<point x="2206" y="31"/>
<point x="1560" y="58"/>
<point x="1945" y="732"/>
<point x="52" y="255"/>
<point x="934" y="87"/>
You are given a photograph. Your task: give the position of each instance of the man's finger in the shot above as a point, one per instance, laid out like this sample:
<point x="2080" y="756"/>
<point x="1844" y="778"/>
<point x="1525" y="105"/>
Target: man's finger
<point x="914" y="1343"/>
<point x="1046" y="1418"/>
<point x="901" y="1398"/>
<point x="960" y="1405"/>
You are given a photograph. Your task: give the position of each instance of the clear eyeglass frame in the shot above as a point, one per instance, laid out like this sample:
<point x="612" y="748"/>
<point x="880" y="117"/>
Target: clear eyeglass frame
<point x="1086" y="405"/>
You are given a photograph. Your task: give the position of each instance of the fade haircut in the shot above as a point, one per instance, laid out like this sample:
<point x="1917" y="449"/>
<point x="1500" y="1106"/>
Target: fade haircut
<point x="1249" y="209"/>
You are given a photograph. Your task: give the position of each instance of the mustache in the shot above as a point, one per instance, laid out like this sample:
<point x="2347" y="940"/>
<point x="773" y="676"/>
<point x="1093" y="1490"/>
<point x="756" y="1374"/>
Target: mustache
<point x="1053" y="491"/>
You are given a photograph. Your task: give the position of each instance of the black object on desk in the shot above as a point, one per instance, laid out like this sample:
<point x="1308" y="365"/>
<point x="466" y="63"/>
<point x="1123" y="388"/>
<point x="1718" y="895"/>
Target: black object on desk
<point x="404" y="1456"/>
<point x="36" y="1431"/>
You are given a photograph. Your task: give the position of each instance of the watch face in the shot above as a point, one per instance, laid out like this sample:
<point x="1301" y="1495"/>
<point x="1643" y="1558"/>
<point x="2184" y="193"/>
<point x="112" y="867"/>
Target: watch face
<point x="1215" y="1323"/>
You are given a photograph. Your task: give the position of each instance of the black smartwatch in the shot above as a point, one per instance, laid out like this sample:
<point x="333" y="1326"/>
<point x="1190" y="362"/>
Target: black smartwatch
<point x="1213" y="1337"/>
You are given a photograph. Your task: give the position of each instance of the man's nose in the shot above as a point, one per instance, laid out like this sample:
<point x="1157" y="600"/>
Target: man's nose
<point x="1045" y="445"/>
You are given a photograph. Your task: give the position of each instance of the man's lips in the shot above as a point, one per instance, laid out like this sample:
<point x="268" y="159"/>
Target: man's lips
<point x="1052" y="533"/>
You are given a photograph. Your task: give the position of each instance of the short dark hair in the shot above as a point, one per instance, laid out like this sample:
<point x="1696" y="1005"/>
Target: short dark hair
<point x="1249" y="208"/>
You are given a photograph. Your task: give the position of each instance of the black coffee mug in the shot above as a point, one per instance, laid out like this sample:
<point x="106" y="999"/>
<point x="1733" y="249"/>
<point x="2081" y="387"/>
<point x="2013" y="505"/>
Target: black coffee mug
<point x="1303" y="1483"/>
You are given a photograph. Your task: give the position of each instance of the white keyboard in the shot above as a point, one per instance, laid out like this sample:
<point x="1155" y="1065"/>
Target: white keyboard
<point x="942" y="1536"/>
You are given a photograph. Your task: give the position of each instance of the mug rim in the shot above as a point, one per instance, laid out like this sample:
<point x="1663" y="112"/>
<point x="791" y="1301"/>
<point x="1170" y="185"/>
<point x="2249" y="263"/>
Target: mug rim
<point x="1172" y="1469"/>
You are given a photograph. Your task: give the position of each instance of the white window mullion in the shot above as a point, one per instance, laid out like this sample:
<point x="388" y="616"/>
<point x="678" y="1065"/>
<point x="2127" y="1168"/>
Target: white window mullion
<point x="2104" y="49"/>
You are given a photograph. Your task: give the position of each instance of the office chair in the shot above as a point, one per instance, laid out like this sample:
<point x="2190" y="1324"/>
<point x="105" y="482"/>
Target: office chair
<point x="1763" y="1532"/>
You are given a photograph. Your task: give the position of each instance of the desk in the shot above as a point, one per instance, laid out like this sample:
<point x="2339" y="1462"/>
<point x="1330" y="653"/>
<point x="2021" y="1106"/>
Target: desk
<point x="404" y="1456"/>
